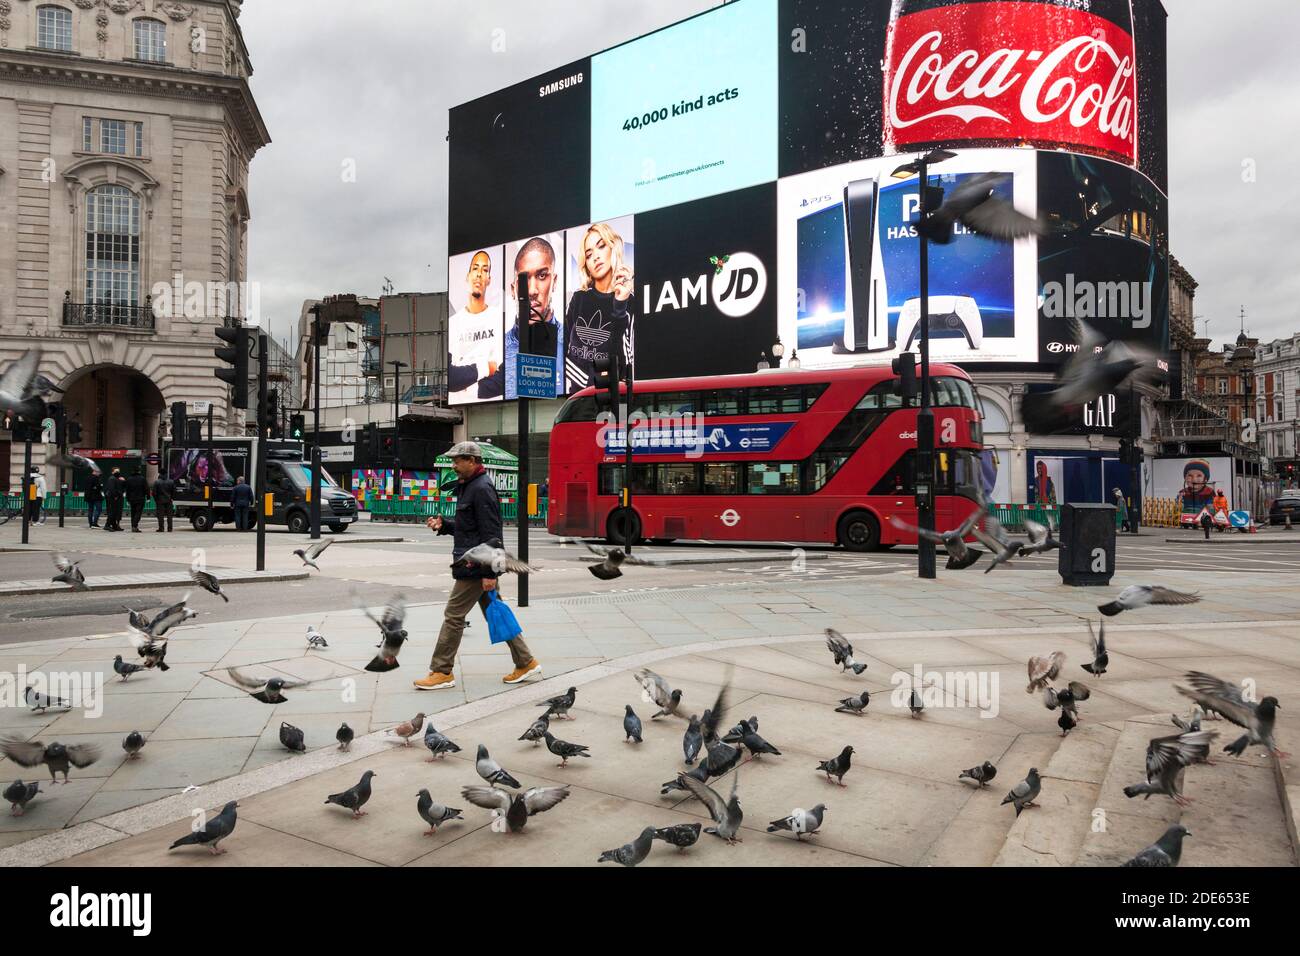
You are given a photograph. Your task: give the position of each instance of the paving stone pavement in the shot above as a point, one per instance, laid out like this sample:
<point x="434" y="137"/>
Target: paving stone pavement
<point x="904" y="807"/>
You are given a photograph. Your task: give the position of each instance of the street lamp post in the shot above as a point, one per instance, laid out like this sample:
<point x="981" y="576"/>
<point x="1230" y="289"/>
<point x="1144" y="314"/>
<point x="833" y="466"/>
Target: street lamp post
<point x="316" y="329"/>
<point x="397" y="431"/>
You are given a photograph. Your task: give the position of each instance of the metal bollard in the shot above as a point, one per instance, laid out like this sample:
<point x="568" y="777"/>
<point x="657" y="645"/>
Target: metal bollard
<point x="63" y="497"/>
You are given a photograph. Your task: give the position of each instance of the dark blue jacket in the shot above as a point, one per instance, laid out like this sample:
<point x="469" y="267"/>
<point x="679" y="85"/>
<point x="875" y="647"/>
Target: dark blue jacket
<point x="241" y="496"/>
<point x="478" y="520"/>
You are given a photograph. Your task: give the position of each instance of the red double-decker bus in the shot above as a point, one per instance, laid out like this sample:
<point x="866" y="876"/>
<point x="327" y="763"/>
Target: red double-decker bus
<point x="781" y="456"/>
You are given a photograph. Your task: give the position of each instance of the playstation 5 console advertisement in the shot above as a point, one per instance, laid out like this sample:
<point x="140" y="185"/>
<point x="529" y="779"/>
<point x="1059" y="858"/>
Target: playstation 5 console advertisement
<point x="849" y="267"/>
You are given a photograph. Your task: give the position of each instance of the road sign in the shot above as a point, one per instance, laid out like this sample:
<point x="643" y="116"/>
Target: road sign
<point x="153" y="458"/>
<point x="200" y="407"/>
<point x="535" y="376"/>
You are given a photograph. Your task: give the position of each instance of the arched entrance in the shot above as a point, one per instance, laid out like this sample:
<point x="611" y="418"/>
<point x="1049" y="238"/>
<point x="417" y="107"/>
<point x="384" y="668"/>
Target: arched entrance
<point x="120" y="411"/>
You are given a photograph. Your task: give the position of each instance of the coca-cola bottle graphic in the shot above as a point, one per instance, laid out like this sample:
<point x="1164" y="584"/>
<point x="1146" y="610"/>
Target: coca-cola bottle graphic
<point x="1047" y="73"/>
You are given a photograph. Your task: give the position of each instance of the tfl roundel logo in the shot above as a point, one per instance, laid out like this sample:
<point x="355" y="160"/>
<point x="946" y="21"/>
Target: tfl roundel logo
<point x="1055" y="347"/>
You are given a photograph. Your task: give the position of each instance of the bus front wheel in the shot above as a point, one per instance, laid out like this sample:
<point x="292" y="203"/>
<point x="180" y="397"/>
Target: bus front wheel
<point x="858" y="531"/>
<point x="623" y="527"/>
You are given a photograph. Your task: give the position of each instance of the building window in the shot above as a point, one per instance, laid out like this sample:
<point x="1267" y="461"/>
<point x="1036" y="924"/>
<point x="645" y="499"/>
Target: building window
<point x="112" y="137"/>
<point x="1223" y="386"/>
<point x="139" y="138"/>
<point x="112" y="246"/>
<point x="422" y="380"/>
<point x="150" y="40"/>
<point x="390" y="383"/>
<point x="54" y="28"/>
<point x="87" y="132"/>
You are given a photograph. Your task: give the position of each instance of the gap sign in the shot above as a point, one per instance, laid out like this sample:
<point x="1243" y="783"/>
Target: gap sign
<point x="535" y="376"/>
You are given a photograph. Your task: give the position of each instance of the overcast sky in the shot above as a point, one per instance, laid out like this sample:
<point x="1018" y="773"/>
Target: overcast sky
<point x="342" y="82"/>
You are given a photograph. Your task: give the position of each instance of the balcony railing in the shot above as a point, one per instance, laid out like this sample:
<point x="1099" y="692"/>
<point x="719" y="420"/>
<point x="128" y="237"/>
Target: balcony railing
<point x="110" y="315"/>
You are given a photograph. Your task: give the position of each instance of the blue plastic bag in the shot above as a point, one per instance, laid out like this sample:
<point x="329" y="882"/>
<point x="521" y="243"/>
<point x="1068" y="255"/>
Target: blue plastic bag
<point x="502" y="625"/>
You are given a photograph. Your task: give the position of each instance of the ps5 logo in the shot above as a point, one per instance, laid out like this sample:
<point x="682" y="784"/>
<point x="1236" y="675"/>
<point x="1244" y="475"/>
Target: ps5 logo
<point x="737" y="287"/>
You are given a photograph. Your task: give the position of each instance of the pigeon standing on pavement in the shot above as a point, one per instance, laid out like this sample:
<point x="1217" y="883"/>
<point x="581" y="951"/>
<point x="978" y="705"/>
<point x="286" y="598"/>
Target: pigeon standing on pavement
<point x="434" y="814"/>
<point x="311" y="553"/>
<point x="737" y="733"/>
<point x="269" y="691"/>
<point x="630" y="854"/>
<point x="292" y="738"/>
<point x="559" y="706"/>
<point x="133" y="743"/>
<point x="315" y="639"/>
<point x="213" y="832"/>
<point x="631" y="725"/>
<point x="56" y="756"/>
<point x="800" y="821"/>
<point x="18" y="795"/>
<point x="563" y="749"/>
<point x="493" y="556"/>
<point x="1167" y="760"/>
<point x="681" y="835"/>
<point x="658" y="690"/>
<point x="981" y="774"/>
<point x="692" y="740"/>
<point x="1067" y="721"/>
<point x="439" y="744"/>
<point x="1100" y="659"/>
<point x="538" y="730"/>
<point x="408" y="728"/>
<point x="125" y="669"/>
<point x="1043" y="670"/>
<point x="838" y="766"/>
<point x="854" y="705"/>
<point x="915" y="704"/>
<point x="1165" y="851"/>
<point x="354" y="798"/>
<point x="344" y="736"/>
<point x="69" y="573"/>
<point x="208" y="582"/>
<point x="1140" y="595"/>
<point x="727" y="815"/>
<point x="757" y="746"/>
<point x="842" y="651"/>
<point x="40" y="703"/>
<point x="518" y="807"/>
<point x="1218" y="696"/>
<point x="393" y="634"/>
<point x="1025" y="792"/>
<point x="491" y="771"/>
<point x="960" y="555"/>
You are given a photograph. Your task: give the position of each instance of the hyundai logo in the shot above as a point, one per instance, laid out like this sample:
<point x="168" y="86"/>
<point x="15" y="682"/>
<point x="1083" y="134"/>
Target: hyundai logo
<point x="1055" y="347"/>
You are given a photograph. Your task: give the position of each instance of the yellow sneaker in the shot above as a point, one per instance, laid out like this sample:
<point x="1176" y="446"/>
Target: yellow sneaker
<point x="435" y="681"/>
<point x="532" y="668"/>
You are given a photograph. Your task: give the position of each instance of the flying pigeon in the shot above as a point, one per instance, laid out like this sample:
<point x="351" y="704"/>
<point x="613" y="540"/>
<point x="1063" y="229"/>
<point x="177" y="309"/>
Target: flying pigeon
<point x="149" y="637"/>
<point x="315" y="639"/>
<point x="312" y="552"/>
<point x="692" y="740"/>
<point x="1165" y="851"/>
<point x="42" y="386"/>
<point x="800" y="821"/>
<point x="213" y="832"/>
<point x="18" y="795"/>
<point x="208" y="582"/>
<point x="837" y="767"/>
<point x="1040" y="538"/>
<point x="1099" y="367"/>
<point x="720" y="757"/>
<point x="292" y="738"/>
<point x="537" y="730"/>
<point x="974" y="204"/>
<point x="1193" y="721"/>
<point x="614" y="559"/>
<point x="354" y="798"/>
<point x="434" y="814"/>
<point x="981" y="774"/>
<point x="515" y="808"/>
<point x="631" y="725"/>
<point x="40" y="703"/>
<point x="69" y="573"/>
<point x="681" y="835"/>
<point x="491" y="771"/>
<point x="842" y="651"/>
<point x="344" y="736"/>
<point x="17" y="388"/>
<point x="960" y="555"/>
<point x="1025" y="792"/>
<point x="1067" y="697"/>
<point x="915" y="704"/>
<point x="1220" y="697"/>
<point x="1100" y="659"/>
<point x="658" y="690"/>
<point x="1001" y="546"/>
<point x="408" y="728"/>
<point x="700" y="773"/>
<point x="726" y="815"/>
<point x="1044" y="669"/>
<point x="267" y="690"/>
<point x="133" y="743"/>
<point x="439" y="744"/>
<point x="125" y="669"/>
<point x="56" y="756"/>
<point x="854" y="705"/>
<point x="559" y="706"/>
<point x="390" y="623"/>
<point x="497" y="558"/>
<point x="630" y="854"/>
<point x="563" y="749"/>
<point x="1167" y="759"/>
<point x="1140" y="595"/>
<point x="69" y="459"/>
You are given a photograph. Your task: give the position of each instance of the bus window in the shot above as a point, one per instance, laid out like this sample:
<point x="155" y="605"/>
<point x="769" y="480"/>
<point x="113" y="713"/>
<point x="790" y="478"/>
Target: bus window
<point x="723" y="402"/>
<point x="611" y="479"/>
<point x="678" y="480"/>
<point x="577" y="409"/>
<point x="882" y="396"/>
<point x="899" y="478"/>
<point x="952" y="391"/>
<point x="820" y="468"/>
<point x="775" y="400"/>
<point x="775" y="478"/>
<point x="721" y="478"/>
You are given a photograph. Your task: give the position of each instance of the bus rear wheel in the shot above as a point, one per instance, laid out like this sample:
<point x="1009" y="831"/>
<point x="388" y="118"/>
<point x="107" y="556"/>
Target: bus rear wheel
<point x="623" y="527"/>
<point x="858" y="531"/>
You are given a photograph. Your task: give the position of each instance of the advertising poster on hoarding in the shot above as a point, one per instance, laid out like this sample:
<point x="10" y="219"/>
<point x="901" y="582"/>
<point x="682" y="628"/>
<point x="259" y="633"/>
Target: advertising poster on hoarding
<point x="602" y="305"/>
<point x="475" y="329"/>
<point x="1192" y="482"/>
<point x="542" y="257"/>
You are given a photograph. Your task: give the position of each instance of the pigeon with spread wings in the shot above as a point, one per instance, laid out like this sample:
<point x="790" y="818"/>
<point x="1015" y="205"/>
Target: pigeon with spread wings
<point x="493" y="557"/>
<point x="69" y="573"/>
<point x="1001" y="546"/>
<point x="208" y="582"/>
<point x="1040" y="538"/>
<point x="390" y="622"/>
<point x="17" y="388"/>
<point x="726" y="813"/>
<point x="311" y="553"/>
<point x="1140" y="595"/>
<point x="1043" y="670"/>
<point x="1220" y="697"/>
<point x="960" y="554"/>
<point x="658" y="690"/>
<point x="267" y="690"/>
<point x="515" y="808"/>
<point x="1167" y="759"/>
<point x="842" y="651"/>
<point x="55" y="756"/>
<point x="1100" y="659"/>
<point x="614" y="559"/>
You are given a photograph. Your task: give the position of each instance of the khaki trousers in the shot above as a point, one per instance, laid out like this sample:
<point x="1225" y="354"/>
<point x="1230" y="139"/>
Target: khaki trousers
<point x="464" y="595"/>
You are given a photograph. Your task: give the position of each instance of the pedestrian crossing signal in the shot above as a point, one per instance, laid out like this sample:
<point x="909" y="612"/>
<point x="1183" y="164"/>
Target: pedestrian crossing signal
<point x="297" y="427"/>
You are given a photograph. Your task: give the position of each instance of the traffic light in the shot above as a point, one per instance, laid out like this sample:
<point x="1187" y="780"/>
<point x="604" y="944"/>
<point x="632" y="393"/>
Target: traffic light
<point x="56" y="411"/>
<point x="269" y="419"/>
<point x="74" y="434"/>
<point x="297" y="427"/>
<point x="389" y="449"/>
<point x="178" y="422"/>
<point x="606" y="380"/>
<point x="905" y="368"/>
<point x="235" y="355"/>
<point x="194" y="432"/>
<point x="370" y="441"/>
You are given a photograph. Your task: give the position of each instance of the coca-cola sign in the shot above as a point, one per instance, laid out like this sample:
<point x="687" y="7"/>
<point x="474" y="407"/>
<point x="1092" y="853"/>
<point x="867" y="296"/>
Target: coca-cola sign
<point x="1011" y="72"/>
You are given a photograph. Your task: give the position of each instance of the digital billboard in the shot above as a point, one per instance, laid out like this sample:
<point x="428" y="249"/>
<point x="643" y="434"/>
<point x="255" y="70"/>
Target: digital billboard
<point x="747" y="154"/>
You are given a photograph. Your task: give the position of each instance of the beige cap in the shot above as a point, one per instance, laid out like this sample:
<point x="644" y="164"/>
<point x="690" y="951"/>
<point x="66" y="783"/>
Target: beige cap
<point x="469" y="449"/>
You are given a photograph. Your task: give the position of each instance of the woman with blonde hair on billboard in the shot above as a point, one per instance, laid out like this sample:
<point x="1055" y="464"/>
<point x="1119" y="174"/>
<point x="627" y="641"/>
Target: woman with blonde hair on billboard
<point x="601" y="310"/>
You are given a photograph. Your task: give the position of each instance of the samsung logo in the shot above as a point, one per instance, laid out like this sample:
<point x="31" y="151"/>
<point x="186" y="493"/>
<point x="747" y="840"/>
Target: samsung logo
<point x="558" y="85"/>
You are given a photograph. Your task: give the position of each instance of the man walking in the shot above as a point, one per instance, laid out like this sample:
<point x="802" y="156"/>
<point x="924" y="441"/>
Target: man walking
<point x="34" y="515"/>
<point x="113" y="492"/>
<point x="477" y="521"/>
<point x="241" y="498"/>
<point x="163" y="489"/>
<point x="137" y="493"/>
<point x="94" y="499"/>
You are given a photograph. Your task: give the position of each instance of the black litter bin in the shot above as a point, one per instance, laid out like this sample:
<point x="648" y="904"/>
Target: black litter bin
<point x="1087" y="555"/>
